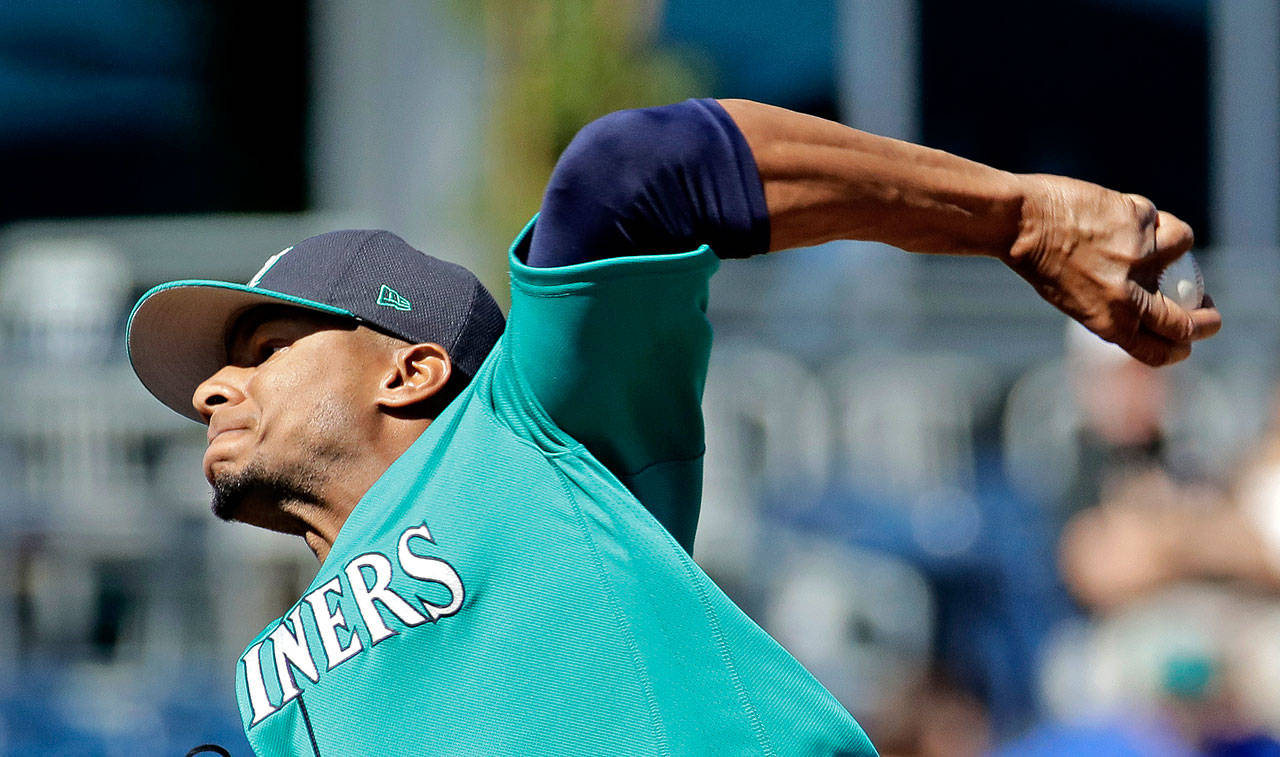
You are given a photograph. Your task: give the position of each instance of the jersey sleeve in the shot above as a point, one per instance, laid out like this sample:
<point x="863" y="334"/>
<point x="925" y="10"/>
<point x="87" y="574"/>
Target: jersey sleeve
<point x="614" y="352"/>
<point x="653" y="180"/>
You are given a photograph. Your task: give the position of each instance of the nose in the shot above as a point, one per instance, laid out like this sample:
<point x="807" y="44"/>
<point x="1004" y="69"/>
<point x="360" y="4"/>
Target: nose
<point x="226" y="387"/>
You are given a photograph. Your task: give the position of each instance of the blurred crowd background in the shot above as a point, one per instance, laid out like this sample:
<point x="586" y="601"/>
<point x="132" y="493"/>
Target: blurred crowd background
<point x="985" y="531"/>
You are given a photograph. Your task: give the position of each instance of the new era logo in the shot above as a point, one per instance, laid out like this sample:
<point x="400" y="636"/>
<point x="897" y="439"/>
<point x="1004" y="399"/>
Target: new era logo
<point x="388" y="297"/>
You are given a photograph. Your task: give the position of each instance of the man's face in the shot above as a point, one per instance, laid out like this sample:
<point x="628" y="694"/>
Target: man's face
<point x="289" y="412"/>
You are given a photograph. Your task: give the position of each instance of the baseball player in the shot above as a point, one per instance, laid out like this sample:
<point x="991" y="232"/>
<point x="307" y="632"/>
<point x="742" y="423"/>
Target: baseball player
<point x="504" y="513"/>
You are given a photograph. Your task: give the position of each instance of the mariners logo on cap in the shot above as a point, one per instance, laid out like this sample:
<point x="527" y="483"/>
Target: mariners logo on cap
<point x="253" y="282"/>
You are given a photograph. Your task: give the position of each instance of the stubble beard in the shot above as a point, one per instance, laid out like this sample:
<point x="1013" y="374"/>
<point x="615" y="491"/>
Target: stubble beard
<point x="259" y="496"/>
<point x="272" y="497"/>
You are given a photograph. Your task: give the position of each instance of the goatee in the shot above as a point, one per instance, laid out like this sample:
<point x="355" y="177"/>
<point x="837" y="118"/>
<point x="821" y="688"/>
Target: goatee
<point x="254" y="487"/>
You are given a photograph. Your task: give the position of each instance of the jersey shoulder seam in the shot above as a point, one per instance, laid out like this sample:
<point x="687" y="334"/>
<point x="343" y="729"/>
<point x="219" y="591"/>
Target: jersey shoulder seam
<point x="727" y="658"/>
<point x="552" y="459"/>
<point x="620" y="617"/>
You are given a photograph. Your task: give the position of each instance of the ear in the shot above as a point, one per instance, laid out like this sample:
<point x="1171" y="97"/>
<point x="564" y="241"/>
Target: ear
<point x="418" y="373"/>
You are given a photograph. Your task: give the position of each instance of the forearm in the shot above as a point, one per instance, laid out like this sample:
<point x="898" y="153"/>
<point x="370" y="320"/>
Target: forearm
<point x="823" y="181"/>
<point x="746" y="178"/>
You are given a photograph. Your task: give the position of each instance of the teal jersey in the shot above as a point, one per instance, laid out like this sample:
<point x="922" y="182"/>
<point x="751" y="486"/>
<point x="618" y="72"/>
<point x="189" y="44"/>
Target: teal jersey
<point x="518" y="582"/>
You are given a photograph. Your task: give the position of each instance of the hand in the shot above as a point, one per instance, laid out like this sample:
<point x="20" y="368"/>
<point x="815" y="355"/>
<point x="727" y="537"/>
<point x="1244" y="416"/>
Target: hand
<point x="1096" y="255"/>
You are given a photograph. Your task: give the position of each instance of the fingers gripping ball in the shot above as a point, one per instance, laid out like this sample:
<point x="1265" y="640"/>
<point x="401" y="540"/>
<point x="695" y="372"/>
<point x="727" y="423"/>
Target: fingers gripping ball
<point x="1181" y="282"/>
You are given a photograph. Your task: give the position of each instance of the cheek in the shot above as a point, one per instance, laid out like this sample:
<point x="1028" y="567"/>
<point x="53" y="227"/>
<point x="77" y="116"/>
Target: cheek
<point x="331" y="419"/>
<point x="308" y="404"/>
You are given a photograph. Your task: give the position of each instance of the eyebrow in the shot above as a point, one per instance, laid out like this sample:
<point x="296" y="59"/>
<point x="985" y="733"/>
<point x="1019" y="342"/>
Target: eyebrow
<point x="247" y="326"/>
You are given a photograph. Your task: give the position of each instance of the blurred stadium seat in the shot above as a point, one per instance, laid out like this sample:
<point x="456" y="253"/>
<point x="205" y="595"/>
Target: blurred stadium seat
<point x="769" y="434"/>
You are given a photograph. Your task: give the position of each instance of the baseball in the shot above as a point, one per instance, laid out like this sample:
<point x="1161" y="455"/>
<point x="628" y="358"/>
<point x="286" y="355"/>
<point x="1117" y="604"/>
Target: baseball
<point x="1181" y="282"/>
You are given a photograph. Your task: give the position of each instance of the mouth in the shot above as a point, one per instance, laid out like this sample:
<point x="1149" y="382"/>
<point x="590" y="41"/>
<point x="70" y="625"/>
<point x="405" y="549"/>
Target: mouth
<point x="216" y="430"/>
<point x="224" y="444"/>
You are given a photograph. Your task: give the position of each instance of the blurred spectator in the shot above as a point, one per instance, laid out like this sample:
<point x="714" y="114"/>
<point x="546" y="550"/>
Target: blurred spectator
<point x="1122" y="405"/>
<point x="1076" y="426"/>
<point x="1179" y="575"/>
<point x="1150" y="530"/>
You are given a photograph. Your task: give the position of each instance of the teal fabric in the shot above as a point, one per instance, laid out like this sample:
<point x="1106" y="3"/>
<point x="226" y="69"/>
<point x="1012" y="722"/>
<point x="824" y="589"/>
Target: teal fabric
<point x="508" y="586"/>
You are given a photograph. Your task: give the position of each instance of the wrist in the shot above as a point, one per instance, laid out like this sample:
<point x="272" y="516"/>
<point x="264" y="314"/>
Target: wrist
<point x="1033" y="198"/>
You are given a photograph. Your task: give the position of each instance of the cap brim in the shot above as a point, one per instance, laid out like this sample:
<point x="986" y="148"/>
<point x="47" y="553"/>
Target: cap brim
<point x="177" y="334"/>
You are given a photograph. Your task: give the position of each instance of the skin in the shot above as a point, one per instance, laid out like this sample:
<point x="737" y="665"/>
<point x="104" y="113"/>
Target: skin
<point x="1151" y="533"/>
<point x="310" y="411"/>
<point x="1093" y="253"/>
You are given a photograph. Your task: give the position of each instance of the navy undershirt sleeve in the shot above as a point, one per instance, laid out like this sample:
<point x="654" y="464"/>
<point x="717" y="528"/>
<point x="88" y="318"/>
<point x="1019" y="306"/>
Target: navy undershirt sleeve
<point x="650" y="181"/>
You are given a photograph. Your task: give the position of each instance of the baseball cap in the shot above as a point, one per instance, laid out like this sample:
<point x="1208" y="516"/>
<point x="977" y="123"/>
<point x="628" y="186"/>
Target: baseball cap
<point x="177" y="333"/>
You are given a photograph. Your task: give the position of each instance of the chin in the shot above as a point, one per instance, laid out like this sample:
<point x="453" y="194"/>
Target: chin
<point x="259" y="497"/>
<point x="240" y="490"/>
<point x="228" y="495"/>
<point x="220" y="468"/>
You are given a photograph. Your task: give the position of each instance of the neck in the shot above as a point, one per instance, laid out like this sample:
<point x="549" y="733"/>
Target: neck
<point x="319" y="518"/>
<point x="347" y="485"/>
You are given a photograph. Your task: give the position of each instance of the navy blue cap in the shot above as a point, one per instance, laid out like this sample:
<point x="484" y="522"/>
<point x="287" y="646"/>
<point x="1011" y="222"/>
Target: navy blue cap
<point x="177" y="333"/>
